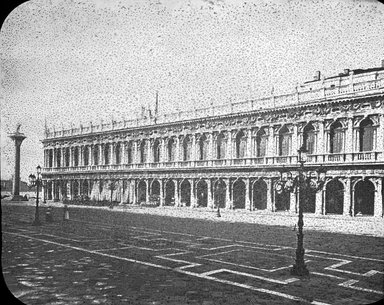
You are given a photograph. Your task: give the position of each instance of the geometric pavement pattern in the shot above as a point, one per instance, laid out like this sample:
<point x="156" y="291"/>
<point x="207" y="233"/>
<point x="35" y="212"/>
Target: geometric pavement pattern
<point x="253" y="266"/>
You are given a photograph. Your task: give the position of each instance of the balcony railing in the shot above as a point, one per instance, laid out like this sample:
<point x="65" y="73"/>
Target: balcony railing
<point x="346" y="158"/>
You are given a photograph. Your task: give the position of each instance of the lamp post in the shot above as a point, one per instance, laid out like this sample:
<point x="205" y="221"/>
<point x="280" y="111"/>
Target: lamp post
<point x="302" y="184"/>
<point x="36" y="181"/>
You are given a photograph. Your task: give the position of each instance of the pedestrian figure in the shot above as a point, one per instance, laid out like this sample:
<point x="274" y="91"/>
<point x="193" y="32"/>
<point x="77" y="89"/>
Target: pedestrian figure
<point x="66" y="213"/>
<point x="48" y="215"/>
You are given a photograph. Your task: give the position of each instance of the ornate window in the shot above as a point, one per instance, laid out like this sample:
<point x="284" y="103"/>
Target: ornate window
<point x="106" y="154"/>
<point x="117" y="153"/>
<point x="129" y="153"/>
<point x="58" y="157"/>
<point x="67" y="156"/>
<point x="143" y="152"/>
<point x="171" y="149"/>
<point x="221" y="146"/>
<point x="336" y="138"/>
<point x="76" y="156"/>
<point x="187" y="148"/>
<point x="261" y="143"/>
<point x="203" y="148"/>
<point x="156" y="151"/>
<point x="285" y="141"/>
<point x="241" y="144"/>
<point x="96" y="154"/>
<point x="309" y="138"/>
<point x="366" y="135"/>
<point x="86" y="155"/>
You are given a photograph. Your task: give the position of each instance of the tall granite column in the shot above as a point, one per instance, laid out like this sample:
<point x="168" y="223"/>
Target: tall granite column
<point x="17" y="138"/>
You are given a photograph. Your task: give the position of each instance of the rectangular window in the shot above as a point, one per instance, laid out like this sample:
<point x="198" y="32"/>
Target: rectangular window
<point x="338" y="141"/>
<point x="285" y="144"/>
<point x="366" y="139"/>
<point x="310" y="145"/>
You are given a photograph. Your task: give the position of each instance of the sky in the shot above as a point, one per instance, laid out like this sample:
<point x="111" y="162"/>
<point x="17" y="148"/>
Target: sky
<point x="65" y="62"/>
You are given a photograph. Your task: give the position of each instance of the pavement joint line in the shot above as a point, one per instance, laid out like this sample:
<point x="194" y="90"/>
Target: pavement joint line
<point x="111" y="249"/>
<point x="349" y="283"/>
<point x="249" y="287"/>
<point x="329" y="275"/>
<point x="284" y="282"/>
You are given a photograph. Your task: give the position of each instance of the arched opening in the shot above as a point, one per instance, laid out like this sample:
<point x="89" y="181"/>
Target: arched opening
<point x="67" y="151"/>
<point x="129" y="153"/>
<point x="203" y="148"/>
<point x="241" y="143"/>
<point x="187" y="148"/>
<point x="86" y="155"/>
<point x="143" y="152"/>
<point x="95" y="154"/>
<point x="106" y="154"/>
<point x="185" y="188"/>
<point x="239" y="194"/>
<point x="117" y="153"/>
<point x="284" y="141"/>
<point x="260" y="195"/>
<point x="334" y="200"/>
<point x="85" y="188"/>
<point x="261" y="143"/>
<point x="142" y="192"/>
<point x="58" y="158"/>
<point x="49" y="190"/>
<point x="220" y="189"/>
<point x="202" y="193"/>
<point x="366" y="135"/>
<point x="50" y="158"/>
<point x="282" y="201"/>
<point x="76" y="156"/>
<point x="336" y="138"/>
<point x="364" y="198"/>
<point x="171" y="147"/>
<point x="309" y="138"/>
<point x="170" y="193"/>
<point x="310" y="201"/>
<point x="75" y="189"/>
<point x="156" y="151"/>
<point x="220" y="146"/>
<point x="155" y="192"/>
<point x="64" y="189"/>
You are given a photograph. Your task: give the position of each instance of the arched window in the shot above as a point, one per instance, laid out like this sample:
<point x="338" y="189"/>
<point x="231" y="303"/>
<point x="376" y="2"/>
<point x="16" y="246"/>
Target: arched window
<point x="221" y="146"/>
<point x="58" y="157"/>
<point x="284" y="141"/>
<point x="336" y="138"/>
<point x="86" y="155"/>
<point x="261" y="143"/>
<point x="129" y="153"/>
<point x="187" y="148"/>
<point x="106" y="154"/>
<point x="76" y="156"/>
<point x="67" y="155"/>
<point x="96" y="154"/>
<point x="50" y="153"/>
<point x="241" y="143"/>
<point x="117" y="153"/>
<point x="309" y="138"/>
<point x="171" y="147"/>
<point x="143" y="152"/>
<point x="366" y="135"/>
<point x="203" y="148"/>
<point x="156" y="151"/>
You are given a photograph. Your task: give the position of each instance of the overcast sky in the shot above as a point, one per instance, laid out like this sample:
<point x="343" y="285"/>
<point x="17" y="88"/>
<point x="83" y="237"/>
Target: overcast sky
<point x="80" y="61"/>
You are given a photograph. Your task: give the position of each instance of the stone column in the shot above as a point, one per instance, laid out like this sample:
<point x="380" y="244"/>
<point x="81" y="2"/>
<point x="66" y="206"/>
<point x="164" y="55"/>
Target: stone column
<point x="163" y="154"/>
<point x="348" y="140"/>
<point x="210" y="152"/>
<point x="193" y="148"/>
<point x="320" y="145"/>
<point x="378" y="203"/>
<point x="269" y="194"/>
<point x="210" y="203"/>
<point x="247" y="201"/>
<point x="161" y="192"/>
<point x="193" y="193"/>
<point x="271" y="142"/>
<point x="228" y="203"/>
<point x="147" y="190"/>
<point x="319" y="202"/>
<point x="17" y="138"/>
<point x="295" y="143"/>
<point x="249" y="143"/>
<point x="177" y="195"/>
<point x="347" y="197"/>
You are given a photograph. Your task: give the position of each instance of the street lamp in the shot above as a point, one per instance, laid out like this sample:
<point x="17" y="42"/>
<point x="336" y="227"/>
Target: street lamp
<point x="302" y="183"/>
<point x="36" y="181"/>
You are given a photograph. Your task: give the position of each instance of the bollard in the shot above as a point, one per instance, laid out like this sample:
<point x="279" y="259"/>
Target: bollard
<point x="48" y="215"/>
<point x="66" y="213"/>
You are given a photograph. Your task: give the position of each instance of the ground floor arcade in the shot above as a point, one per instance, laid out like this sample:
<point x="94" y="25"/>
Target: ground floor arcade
<point x="339" y="195"/>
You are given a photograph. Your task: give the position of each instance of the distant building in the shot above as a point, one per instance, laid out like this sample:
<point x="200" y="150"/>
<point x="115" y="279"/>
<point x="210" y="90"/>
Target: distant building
<point x="232" y="155"/>
<point x="6" y="186"/>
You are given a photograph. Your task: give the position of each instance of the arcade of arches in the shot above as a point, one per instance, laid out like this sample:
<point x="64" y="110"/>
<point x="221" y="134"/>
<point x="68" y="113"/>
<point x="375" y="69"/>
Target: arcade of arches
<point x="340" y="195"/>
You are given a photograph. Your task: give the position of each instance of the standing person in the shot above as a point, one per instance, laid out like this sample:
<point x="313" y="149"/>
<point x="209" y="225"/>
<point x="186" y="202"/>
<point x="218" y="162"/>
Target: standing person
<point x="66" y="213"/>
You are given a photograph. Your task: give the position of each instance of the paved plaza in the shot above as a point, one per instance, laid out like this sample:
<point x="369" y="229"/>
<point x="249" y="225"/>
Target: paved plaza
<point x="103" y="256"/>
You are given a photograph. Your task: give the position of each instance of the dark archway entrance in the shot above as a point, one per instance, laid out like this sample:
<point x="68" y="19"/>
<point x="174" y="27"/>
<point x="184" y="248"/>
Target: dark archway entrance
<point x="185" y="188"/>
<point x="334" y="200"/>
<point x="142" y="192"/>
<point x="202" y="193"/>
<point x="282" y="201"/>
<point x="219" y="193"/>
<point x="155" y="192"/>
<point x="260" y="195"/>
<point x="170" y="193"/>
<point x="310" y="201"/>
<point x="239" y="195"/>
<point x="364" y="198"/>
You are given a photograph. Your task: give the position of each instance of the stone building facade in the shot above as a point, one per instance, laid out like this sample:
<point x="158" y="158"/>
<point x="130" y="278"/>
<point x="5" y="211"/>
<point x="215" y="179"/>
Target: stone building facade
<point x="232" y="155"/>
